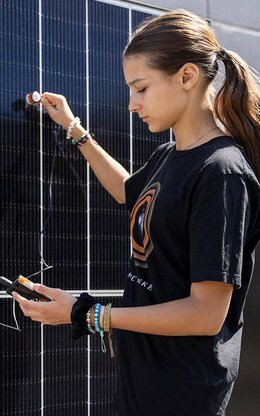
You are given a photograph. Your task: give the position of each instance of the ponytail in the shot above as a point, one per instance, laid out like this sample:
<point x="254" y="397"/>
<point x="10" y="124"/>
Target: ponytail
<point x="177" y="37"/>
<point x="237" y="106"/>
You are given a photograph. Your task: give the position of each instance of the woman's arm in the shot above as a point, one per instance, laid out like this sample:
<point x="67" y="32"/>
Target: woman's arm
<point x="202" y="313"/>
<point x="108" y="171"/>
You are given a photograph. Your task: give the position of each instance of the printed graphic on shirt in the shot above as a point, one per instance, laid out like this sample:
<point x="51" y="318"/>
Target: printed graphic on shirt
<point x="140" y="225"/>
<point x="140" y="281"/>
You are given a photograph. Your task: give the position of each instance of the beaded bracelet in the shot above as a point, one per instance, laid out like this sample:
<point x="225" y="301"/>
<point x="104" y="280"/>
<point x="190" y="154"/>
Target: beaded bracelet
<point x="72" y="124"/>
<point x="90" y="329"/>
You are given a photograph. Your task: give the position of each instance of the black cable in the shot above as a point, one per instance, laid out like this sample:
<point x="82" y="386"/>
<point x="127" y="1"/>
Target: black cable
<point x="55" y="135"/>
<point x="59" y="144"/>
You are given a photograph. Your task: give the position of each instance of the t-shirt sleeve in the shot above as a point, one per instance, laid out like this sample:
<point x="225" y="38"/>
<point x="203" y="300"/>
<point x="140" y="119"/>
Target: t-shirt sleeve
<point x="136" y="182"/>
<point x="218" y="228"/>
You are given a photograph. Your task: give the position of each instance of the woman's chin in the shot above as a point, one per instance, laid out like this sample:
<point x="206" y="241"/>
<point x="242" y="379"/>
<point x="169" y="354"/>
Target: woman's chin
<point x="156" y="129"/>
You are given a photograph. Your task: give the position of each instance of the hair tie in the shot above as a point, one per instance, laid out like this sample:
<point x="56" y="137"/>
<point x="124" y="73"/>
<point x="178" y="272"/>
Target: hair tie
<point x="78" y="315"/>
<point x="222" y="53"/>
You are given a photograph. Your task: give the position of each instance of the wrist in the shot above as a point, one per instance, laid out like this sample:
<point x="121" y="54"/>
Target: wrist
<point x="67" y="122"/>
<point x="78" y="131"/>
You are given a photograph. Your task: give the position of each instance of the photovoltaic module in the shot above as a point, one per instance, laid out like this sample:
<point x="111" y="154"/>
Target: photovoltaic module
<point x="74" y="49"/>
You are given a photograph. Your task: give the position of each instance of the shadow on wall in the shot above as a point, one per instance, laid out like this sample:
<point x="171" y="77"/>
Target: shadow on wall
<point x="245" y="400"/>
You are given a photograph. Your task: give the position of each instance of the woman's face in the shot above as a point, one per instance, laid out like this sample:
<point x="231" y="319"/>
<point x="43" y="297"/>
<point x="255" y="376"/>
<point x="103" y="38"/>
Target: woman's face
<point x="157" y="98"/>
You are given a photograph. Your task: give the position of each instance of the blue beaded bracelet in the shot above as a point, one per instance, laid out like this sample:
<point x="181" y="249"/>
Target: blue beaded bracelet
<point x="97" y="317"/>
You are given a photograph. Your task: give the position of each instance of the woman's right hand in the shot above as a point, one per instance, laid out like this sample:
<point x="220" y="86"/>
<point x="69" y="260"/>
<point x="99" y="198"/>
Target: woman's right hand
<point x="56" y="312"/>
<point x="58" y="109"/>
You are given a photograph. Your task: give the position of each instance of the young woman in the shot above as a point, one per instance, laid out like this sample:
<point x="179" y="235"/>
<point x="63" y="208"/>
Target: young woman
<point x="194" y="227"/>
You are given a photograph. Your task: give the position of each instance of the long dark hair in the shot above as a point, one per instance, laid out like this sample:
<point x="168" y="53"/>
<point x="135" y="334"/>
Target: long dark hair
<point x="177" y="37"/>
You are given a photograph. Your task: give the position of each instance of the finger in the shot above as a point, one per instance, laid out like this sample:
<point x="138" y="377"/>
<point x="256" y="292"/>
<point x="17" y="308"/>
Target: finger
<point x="29" y="307"/>
<point x="45" y="290"/>
<point x="17" y="297"/>
<point x="52" y="98"/>
<point x="48" y="105"/>
<point x="21" y="300"/>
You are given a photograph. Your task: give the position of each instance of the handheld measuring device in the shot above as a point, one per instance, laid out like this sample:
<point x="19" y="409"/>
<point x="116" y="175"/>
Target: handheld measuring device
<point x="24" y="287"/>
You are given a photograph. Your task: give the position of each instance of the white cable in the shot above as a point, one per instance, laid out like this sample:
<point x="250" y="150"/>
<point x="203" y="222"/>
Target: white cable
<point x="15" y="320"/>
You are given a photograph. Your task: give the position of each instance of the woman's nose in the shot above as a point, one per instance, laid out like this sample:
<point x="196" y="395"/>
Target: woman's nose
<point x="133" y="105"/>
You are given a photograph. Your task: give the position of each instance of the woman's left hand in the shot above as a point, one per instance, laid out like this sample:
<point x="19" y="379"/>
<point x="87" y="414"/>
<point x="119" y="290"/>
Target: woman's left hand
<point x="55" y="312"/>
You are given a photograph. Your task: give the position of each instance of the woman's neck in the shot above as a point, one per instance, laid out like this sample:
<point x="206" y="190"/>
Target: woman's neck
<point x="201" y="127"/>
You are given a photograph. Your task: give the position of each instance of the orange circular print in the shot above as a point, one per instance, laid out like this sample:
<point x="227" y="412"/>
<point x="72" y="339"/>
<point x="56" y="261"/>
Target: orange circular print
<point x="140" y="224"/>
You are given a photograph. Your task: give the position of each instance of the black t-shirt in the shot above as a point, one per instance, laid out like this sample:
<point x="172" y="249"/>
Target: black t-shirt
<point x="194" y="217"/>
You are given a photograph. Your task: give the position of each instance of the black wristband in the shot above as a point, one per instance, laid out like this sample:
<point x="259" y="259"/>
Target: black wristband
<point x="78" y="315"/>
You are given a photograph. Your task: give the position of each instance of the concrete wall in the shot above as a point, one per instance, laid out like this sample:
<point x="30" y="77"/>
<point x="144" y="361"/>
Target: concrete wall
<point x="236" y="23"/>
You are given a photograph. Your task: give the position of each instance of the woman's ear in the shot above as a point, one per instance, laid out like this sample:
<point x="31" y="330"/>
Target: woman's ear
<point x="190" y="74"/>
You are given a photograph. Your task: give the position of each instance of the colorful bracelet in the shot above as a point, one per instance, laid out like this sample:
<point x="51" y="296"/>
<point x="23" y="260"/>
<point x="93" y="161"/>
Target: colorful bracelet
<point x="97" y="310"/>
<point x="78" y="315"/>
<point x="81" y="320"/>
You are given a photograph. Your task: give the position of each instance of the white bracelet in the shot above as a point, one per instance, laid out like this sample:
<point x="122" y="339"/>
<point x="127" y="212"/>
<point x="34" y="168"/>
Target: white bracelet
<point x="72" y="124"/>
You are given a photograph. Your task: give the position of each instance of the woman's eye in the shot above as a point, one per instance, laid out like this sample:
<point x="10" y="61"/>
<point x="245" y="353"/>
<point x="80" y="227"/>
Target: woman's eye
<point x="142" y="90"/>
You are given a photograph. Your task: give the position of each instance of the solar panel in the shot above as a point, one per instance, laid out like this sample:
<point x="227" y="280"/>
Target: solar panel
<point x="74" y="49"/>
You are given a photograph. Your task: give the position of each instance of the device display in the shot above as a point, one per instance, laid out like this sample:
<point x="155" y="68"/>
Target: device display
<point x="24" y="287"/>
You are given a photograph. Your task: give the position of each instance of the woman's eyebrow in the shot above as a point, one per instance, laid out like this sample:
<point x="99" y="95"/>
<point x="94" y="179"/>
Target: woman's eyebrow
<point x="136" y="80"/>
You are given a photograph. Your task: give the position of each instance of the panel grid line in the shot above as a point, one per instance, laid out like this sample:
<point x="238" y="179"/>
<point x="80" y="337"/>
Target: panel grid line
<point x="131" y="123"/>
<point x="41" y="200"/>
<point x="88" y="168"/>
<point x="88" y="200"/>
